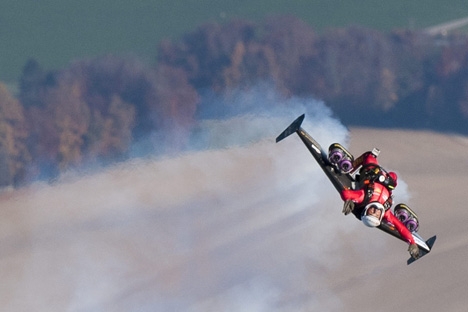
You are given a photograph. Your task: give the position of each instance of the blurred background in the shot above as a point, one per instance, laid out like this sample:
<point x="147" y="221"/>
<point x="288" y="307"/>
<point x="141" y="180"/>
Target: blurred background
<point x="139" y="172"/>
<point x="84" y="81"/>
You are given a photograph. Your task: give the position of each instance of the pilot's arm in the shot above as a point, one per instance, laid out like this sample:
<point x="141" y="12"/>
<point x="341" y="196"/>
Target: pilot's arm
<point x="404" y="232"/>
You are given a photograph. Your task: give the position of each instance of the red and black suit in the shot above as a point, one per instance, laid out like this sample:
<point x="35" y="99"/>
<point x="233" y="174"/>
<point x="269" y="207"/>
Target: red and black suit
<point x="375" y="185"/>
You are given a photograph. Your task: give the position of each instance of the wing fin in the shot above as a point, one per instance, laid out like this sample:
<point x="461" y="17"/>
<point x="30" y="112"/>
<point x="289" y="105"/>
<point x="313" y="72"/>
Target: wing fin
<point x="339" y="180"/>
<point x="294" y="127"/>
<point x="422" y="251"/>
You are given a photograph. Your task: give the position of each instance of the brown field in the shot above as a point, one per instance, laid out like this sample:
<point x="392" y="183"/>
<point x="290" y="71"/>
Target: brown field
<point x="255" y="228"/>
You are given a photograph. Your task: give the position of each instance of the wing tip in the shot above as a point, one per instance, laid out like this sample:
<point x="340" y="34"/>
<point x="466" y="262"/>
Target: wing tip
<point x="293" y="127"/>
<point x="430" y="242"/>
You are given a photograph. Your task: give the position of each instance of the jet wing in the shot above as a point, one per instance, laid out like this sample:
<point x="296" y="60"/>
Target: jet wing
<point x="424" y="246"/>
<point x="341" y="180"/>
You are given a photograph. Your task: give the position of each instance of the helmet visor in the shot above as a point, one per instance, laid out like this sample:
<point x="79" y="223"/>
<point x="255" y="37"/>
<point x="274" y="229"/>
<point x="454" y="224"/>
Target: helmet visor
<point x="375" y="210"/>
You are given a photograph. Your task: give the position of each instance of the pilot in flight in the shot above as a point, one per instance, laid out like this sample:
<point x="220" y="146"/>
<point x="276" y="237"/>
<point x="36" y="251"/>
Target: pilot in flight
<point x="372" y="200"/>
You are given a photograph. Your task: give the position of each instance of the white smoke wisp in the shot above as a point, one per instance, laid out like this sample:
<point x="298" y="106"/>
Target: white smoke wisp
<point x="247" y="225"/>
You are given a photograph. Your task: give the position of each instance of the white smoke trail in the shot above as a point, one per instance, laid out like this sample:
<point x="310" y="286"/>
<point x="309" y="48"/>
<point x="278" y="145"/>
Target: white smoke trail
<point x="248" y="225"/>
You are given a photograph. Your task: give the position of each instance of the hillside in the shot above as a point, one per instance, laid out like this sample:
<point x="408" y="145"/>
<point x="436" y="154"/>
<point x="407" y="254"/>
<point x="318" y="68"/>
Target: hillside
<point x="256" y="228"/>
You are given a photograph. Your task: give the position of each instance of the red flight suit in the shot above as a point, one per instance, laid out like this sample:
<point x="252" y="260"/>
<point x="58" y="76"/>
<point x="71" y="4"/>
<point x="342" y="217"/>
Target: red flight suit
<point x="375" y="192"/>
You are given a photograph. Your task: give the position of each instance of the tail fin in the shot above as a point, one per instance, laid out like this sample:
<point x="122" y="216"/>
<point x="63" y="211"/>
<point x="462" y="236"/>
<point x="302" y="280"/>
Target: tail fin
<point x="295" y="126"/>
<point x="422" y="252"/>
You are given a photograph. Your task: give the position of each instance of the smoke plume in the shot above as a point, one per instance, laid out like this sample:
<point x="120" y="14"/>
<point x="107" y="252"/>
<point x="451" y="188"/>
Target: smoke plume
<point x="235" y="223"/>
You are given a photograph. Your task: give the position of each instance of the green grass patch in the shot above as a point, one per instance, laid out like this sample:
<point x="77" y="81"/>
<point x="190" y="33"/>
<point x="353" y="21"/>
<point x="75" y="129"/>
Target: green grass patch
<point x="56" y="32"/>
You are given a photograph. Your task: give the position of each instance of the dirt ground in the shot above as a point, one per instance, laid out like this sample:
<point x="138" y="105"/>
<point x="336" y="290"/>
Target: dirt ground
<point x="250" y="228"/>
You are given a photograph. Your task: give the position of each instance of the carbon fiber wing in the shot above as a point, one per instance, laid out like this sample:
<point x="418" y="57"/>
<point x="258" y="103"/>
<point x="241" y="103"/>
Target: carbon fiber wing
<point x="341" y="181"/>
<point x="338" y="179"/>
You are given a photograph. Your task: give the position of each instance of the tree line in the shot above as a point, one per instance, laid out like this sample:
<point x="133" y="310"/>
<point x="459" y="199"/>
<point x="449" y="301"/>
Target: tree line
<point x="95" y="109"/>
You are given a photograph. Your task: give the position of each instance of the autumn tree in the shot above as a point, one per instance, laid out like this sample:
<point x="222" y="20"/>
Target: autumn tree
<point x="113" y="90"/>
<point x="60" y="125"/>
<point x="97" y="108"/>
<point x="14" y="154"/>
<point x="292" y="43"/>
<point x="355" y="66"/>
<point x="173" y="105"/>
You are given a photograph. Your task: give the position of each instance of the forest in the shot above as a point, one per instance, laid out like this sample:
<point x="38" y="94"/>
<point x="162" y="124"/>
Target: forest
<point x="93" y="109"/>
